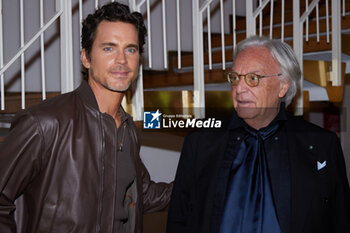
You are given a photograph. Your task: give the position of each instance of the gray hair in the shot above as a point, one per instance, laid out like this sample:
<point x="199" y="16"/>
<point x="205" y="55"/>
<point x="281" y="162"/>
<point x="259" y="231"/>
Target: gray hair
<point x="283" y="54"/>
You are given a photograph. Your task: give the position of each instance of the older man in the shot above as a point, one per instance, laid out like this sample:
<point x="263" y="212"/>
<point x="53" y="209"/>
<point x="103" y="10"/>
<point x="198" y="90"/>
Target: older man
<point x="268" y="172"/>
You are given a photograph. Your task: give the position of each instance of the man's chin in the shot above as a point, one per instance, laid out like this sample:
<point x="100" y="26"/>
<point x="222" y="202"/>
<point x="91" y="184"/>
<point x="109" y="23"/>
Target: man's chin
<point x="119" y="88"/>
<point x="247" y="113"/>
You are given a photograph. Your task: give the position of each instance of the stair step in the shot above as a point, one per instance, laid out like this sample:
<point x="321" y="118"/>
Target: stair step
<point x="310" y="46"/>
<point x="345" y="45"/>
<point x="288" y="14"/>
<point x="276" y="32"/>
<point x="318" y="72"/>
<point x="13" y="101"/>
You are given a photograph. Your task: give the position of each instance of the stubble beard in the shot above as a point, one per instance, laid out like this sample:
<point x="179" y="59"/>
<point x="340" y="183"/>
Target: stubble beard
<point x="110" y="86"/>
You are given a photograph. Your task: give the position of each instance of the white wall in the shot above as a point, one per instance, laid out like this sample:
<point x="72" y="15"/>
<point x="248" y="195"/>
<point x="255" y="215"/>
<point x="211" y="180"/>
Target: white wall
<point x="160" y="163"/>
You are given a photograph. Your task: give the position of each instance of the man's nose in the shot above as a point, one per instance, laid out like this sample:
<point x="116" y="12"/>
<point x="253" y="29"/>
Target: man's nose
<point x="241" y="85"/>
<point x="120" y="57"/>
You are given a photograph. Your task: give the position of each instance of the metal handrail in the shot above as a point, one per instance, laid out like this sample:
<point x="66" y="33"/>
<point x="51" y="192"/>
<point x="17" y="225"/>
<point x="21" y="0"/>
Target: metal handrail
<point x="30" y="42"/>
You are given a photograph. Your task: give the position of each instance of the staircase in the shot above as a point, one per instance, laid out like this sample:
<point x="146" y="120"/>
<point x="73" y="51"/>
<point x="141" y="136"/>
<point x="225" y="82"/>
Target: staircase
<point x="167" y="87"/>
<point x="315" y="72"/>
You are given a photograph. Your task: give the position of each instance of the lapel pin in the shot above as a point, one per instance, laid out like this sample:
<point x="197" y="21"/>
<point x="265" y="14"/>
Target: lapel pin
<point x="321" y="165"/>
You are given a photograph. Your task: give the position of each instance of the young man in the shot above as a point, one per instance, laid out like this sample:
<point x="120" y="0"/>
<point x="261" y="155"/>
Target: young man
<point x="75" y="158"/>
<point x="268" y="172"/>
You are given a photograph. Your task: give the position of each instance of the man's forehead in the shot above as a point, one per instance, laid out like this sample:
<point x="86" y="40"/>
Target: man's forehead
<point x="105" y="35"/>
<point x="255" y="52"/>
<point x="254" y="59"/>
<point x="122" y="26"/>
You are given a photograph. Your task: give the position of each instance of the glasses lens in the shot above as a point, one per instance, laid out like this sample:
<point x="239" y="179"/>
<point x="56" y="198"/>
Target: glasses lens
<point x="233" y="78"/>
<point x="252" y="79"/>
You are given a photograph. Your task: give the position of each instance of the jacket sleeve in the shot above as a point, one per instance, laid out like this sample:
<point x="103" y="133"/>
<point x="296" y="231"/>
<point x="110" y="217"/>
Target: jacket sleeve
<point x="19" y="164"/>
<point x="181" y="204"/>
<point x="156" y="196"/>
<point x="341" y="211"/>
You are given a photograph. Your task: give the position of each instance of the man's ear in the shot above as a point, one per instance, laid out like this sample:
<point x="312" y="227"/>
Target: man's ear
<point x="84" y="59"/>
<point x="284" y="86"/>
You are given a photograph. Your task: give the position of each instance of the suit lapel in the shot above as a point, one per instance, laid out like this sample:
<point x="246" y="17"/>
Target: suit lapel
<point x="303" y="159"/>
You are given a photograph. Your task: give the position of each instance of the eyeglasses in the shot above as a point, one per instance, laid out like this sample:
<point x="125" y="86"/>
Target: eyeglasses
<point x="250" y="79"/>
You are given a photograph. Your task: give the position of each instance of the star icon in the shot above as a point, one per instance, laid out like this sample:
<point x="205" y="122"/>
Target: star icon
<point x="156" y="115"/>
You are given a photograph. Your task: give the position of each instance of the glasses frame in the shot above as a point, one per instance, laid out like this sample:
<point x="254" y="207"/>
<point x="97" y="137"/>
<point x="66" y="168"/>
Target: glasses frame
<point x="228" y="74"/>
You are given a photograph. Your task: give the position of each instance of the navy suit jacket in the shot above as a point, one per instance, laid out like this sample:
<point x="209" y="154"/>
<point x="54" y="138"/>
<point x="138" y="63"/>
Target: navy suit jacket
<point x="319" y="199"/>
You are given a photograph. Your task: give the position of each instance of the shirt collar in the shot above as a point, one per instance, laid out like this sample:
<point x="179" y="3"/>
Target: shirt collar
<point x="122" y="113"/>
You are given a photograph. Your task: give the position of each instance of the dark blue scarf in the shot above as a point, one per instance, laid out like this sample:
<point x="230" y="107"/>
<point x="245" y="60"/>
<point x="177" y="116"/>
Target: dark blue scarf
<point x="249" y="206"/>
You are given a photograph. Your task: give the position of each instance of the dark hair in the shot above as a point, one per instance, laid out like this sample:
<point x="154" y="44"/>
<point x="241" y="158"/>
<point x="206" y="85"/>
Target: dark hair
<point x="112" y="12"/>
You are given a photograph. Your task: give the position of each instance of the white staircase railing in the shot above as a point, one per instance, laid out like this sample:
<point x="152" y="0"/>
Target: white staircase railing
<point x="298" y="38"/>
<point x="64" y="13"/>
<point x="198" y="58"/>
<point x="66" y="45"/>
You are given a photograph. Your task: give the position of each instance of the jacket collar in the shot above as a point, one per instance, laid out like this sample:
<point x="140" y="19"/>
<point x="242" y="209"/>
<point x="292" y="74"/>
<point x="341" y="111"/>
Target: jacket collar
<point x="89" y="98"/>
<point x="87" y="95"/>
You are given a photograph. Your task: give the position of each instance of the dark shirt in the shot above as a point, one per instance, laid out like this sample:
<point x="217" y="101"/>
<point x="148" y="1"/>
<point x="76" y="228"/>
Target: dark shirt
<point x="125" y="172"/>
<point x="278" y="164"/>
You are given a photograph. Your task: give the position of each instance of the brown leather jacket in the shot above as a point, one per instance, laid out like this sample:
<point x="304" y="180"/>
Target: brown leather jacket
<point x="54" y="157"/>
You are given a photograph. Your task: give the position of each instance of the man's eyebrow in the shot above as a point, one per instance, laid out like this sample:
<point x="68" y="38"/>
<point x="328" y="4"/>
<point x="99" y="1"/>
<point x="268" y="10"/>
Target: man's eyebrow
<point x="107" y="44"/>
<point x="250" y="72"/>
<point x="136" y="46"/>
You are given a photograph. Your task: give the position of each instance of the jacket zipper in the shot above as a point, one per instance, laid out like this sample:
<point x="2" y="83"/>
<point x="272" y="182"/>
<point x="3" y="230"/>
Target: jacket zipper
<point x="120" y="147"/>
<point x="115" y="176"/>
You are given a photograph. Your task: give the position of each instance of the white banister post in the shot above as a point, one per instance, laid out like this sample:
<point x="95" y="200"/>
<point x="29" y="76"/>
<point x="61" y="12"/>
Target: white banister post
<point x="250" y="20"/>
<point x="298" y="50"/>
<point x="137" y="87"/>
<point x="66" y="38"/>
<point x="132" y="5"/>
<point x="198" y="61"/>
<point x="336" y="44"/>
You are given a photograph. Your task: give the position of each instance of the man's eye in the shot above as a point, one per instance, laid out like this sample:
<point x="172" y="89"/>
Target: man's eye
<point x="254" y="77"/>
<point x="236" y="78"/>
<point x="131" y="50"/>
<point x="107" y="49"/>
